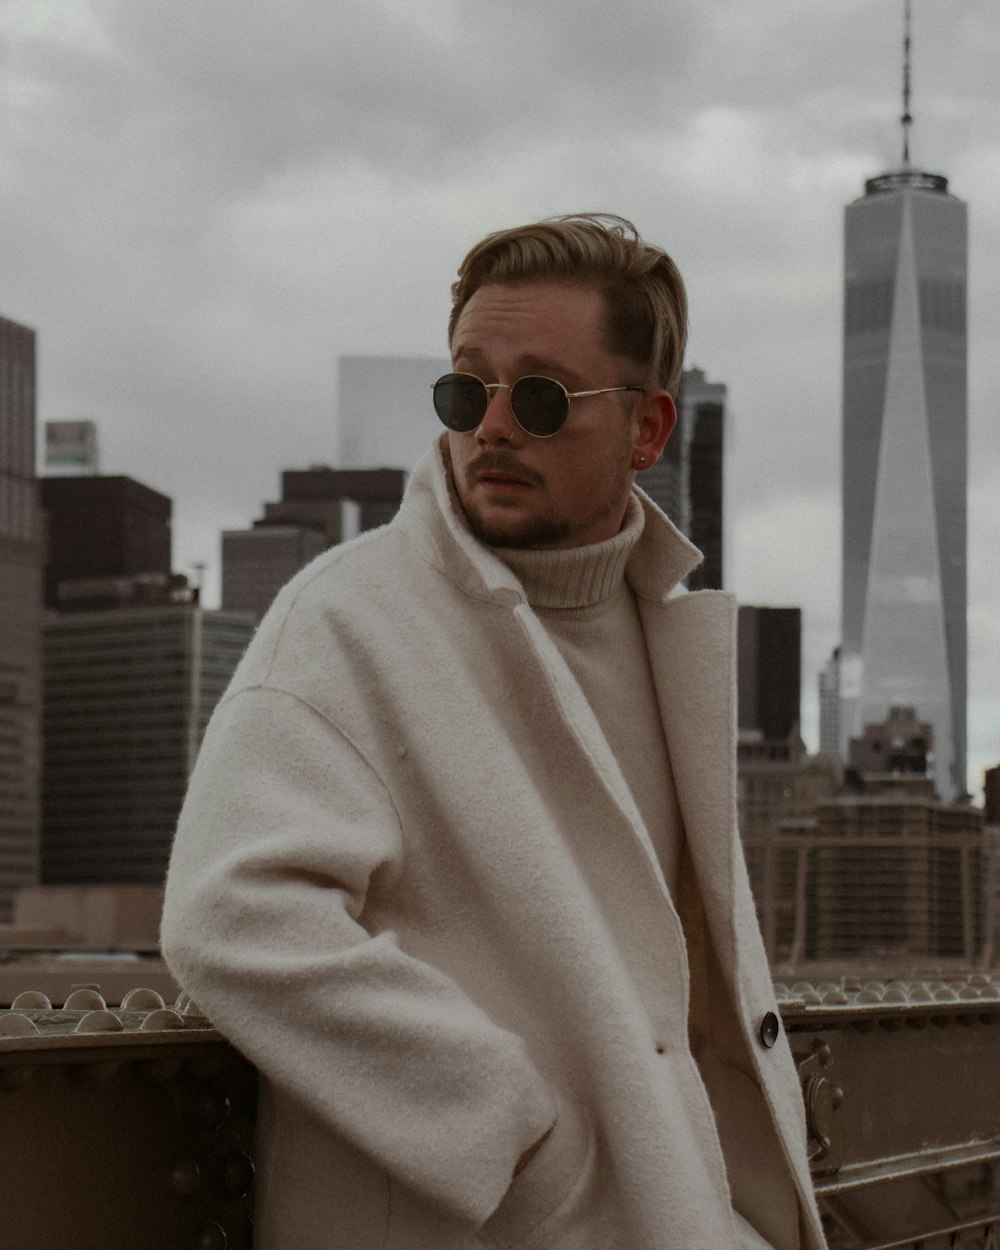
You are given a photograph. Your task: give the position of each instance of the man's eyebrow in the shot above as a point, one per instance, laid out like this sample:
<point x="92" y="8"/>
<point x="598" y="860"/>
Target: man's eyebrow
<point x="527" y="365"/>
<point x="551" y="368"/>
<point x="470" y="353"/>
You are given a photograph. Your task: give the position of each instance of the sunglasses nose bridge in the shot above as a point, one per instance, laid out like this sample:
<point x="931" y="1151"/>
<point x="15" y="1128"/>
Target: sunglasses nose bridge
<point x="498" y="420"/>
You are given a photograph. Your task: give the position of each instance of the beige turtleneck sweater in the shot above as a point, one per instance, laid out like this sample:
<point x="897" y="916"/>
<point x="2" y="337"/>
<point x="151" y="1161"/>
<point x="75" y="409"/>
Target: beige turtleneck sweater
<point x="583" y="598"/>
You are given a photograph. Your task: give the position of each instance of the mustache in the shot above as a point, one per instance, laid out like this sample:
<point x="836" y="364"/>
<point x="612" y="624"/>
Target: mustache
<point x="499" y="461"/>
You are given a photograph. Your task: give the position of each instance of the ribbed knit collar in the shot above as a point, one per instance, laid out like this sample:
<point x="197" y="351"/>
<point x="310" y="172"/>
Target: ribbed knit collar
<point x="576" y="577"/>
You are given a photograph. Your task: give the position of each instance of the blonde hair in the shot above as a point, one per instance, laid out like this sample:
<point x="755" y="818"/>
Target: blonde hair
<point x="645" y="300"/>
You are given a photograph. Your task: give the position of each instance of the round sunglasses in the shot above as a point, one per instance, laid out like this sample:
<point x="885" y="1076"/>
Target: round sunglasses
<point x="540" y="405"/>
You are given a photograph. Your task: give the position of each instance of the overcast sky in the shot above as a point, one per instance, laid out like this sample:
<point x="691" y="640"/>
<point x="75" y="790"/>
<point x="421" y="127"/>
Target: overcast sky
<point x="203" y="203"/>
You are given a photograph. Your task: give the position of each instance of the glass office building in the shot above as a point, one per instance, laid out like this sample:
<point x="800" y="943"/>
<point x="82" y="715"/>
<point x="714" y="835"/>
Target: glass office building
<point x="128" y="694"/>
<point x="904" y="464"/>
<point x="20" y="616"/>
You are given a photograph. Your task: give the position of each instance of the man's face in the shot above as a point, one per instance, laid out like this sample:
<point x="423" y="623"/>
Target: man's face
<point x="568" y="490"/>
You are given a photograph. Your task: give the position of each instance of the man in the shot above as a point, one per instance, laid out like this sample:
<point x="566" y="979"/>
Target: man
<point x="458" y="867"/>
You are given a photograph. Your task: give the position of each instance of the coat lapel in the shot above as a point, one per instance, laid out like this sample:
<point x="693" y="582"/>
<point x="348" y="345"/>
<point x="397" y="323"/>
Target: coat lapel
<point x="691" y="648"/>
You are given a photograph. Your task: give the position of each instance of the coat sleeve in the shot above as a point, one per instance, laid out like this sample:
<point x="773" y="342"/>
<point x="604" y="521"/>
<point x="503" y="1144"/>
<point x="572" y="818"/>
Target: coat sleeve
<point x="284" y="830"/>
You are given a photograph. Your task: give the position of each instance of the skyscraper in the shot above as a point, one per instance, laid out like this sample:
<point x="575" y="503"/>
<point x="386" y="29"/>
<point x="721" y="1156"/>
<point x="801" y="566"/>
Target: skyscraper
<point x="103" y="527"/>
<point x="687" y="480"/>
<point x="829" y="705"/>
<point x="384" y="409"/>
<point x="904" y="461"/>
<point x="132" y="668"/>
<point x="20" y="615"/>
<point x="71" y="448"/>
<point x="319" y="507"/>
<point x="257" y="562"/>
<point x="376" y="493"/>
<point x="128" y="694"/>
<point x="769" y="671"/>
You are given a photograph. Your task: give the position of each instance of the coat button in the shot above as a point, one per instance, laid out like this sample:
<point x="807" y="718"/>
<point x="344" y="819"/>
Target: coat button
<point x="769" y="1029"/>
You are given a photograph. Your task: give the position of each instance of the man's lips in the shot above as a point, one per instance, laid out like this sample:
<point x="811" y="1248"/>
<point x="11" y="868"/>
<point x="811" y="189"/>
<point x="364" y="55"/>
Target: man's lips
<point x="492" y="478"/>
<point x="495" y="469"/>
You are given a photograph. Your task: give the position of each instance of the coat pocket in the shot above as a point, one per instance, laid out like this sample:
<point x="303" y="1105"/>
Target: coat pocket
<point x="553" y="1195"/>
<point x="760" y="1182"/>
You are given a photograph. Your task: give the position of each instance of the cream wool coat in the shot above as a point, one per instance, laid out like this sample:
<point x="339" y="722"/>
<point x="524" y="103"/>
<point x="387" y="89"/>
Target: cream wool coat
<point x="410" y="883"/>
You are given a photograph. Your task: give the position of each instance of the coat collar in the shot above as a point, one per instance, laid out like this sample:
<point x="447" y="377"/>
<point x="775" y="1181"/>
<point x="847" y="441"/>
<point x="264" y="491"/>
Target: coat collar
<point x="431" y="513"/>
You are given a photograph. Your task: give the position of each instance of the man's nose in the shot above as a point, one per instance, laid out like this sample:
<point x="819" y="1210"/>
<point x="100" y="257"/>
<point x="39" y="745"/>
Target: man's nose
<point x="498" y="424"/>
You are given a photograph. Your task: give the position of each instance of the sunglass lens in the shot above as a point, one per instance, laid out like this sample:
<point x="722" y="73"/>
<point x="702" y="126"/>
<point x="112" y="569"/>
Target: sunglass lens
<point x="460" y="401"/>
<point x="540" y="405"/>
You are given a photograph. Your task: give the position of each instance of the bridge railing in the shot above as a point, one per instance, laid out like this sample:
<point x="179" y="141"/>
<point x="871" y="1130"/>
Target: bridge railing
<point x="133" y="1124"/>
<point x="123" y="1127"/>
<point x="901" y="1086"/>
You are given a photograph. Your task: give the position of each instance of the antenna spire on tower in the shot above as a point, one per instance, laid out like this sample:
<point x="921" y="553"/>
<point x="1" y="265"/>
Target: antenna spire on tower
<point x="906" y="119"/>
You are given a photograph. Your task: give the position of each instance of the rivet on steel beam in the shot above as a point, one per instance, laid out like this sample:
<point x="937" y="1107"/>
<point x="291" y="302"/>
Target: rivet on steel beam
<point x="160" y="1070"/>
<point x="98" y="1073"/>
<point x="210" y="1109"/>
<point x="186" y="1005"/>
<point x="185" y="1178"/>
<point x="213" y="1237"/>
<point x="205" y="1067"/>
<point x="15" y="1078"/>
<point x="13" y="1024"/>
<point x="31" y="1000"/>
<point x="917" y="1023"/>
<point x="141" y="1000"/>
<point x="157" y="1021"/>
<point x="84" y="999"/>
<point x="99" y="1021"/>
<point x="237" y="1175"/>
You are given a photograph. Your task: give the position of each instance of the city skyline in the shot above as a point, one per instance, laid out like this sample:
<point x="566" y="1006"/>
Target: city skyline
<point x="201" y="218"/>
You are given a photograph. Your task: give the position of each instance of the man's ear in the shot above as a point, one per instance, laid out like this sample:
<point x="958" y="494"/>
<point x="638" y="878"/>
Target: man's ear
<point x="657" y="416"/>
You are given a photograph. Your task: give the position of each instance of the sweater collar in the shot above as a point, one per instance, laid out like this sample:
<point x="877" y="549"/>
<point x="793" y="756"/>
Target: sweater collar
<point x="576" y="577"/>
<point x="656" y="563"/>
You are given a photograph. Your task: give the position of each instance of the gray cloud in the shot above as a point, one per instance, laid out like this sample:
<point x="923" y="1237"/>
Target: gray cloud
<point x="203" y="205"/>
